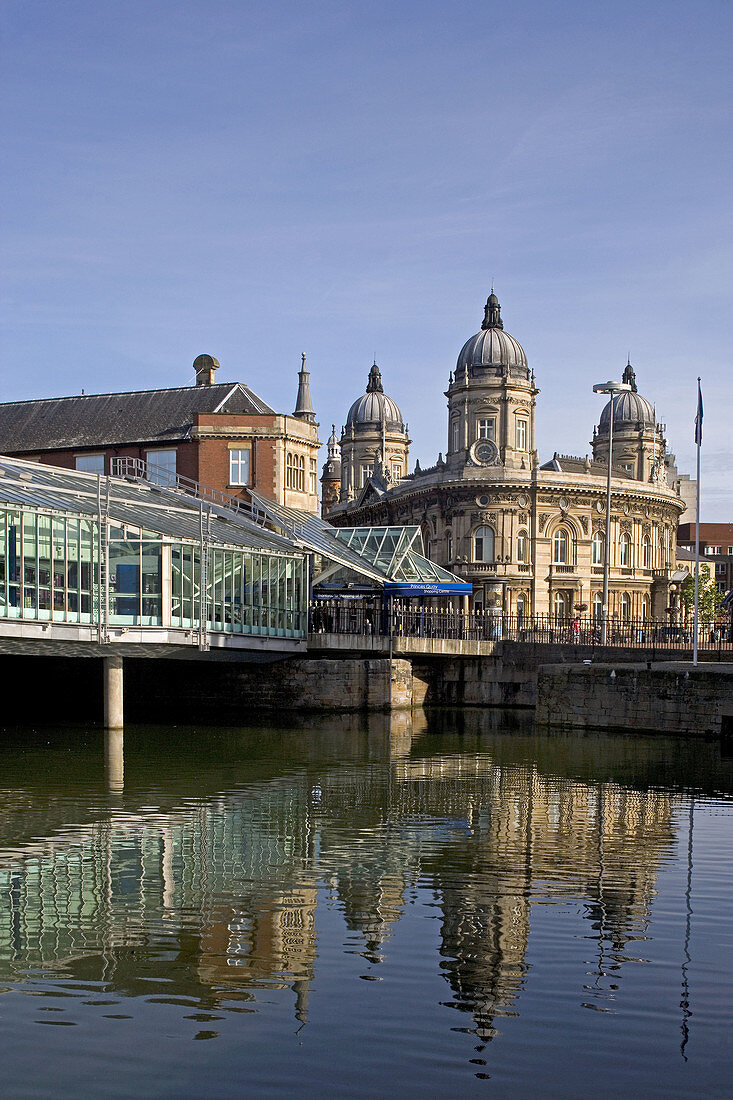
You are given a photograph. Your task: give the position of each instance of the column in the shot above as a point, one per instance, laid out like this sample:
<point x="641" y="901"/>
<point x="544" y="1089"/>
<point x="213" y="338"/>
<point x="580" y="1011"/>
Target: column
<point x="113" y="692"/>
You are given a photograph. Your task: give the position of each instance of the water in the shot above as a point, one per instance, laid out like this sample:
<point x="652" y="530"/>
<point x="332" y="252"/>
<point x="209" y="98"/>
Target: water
<point x="447" y="907"/>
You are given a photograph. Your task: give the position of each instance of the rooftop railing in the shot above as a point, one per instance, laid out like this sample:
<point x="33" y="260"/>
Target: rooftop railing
<point x="137" y="469"/>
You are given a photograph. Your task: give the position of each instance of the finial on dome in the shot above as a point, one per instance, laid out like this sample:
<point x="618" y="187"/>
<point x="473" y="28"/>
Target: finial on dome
<point x="492" y="312"/>
<point x="629" y="375"/>
<point x="374" y="385"/>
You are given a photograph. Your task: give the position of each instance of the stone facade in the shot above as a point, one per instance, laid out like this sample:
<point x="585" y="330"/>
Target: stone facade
<point x="530" y="537"/>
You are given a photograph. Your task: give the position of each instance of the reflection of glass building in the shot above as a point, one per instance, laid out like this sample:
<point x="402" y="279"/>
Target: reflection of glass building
<point x="235" y="880"/>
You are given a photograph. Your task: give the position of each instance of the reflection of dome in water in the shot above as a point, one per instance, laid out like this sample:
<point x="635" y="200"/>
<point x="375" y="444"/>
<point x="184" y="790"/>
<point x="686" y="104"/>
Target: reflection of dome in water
<point x="374" y="407"/>
<point x="629" y="408"/>
<point x="492" y="347"/>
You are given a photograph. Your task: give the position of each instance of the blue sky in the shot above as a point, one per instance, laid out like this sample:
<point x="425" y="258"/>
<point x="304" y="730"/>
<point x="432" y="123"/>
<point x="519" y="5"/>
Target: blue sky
<point x="255" y="181"/>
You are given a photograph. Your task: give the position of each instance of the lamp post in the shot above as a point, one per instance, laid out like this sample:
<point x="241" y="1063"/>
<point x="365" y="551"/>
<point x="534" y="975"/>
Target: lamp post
<point x="613" y="388"/>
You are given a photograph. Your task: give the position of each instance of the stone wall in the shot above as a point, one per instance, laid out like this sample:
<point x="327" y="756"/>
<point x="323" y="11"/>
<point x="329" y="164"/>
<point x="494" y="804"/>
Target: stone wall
<point x="476" y="682"/>
<point x="229" y="691"/>
<point x="676" y="698"/>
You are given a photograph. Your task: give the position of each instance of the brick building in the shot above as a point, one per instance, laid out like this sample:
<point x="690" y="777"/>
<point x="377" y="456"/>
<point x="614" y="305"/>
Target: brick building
<point x="716" y="548"/>
<point x="220" y="434"/>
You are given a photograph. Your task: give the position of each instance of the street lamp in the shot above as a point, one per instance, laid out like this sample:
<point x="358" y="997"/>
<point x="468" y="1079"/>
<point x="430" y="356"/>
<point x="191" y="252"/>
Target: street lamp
<point x="613" y="388"/>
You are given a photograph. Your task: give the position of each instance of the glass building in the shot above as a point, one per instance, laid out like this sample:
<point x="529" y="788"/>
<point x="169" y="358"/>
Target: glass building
<point x="111" y="554"/>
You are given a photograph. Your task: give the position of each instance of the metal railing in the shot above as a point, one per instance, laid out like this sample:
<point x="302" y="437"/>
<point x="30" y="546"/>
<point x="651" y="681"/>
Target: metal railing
<point x="137" y="469"/>
<point x="360" y="621"/>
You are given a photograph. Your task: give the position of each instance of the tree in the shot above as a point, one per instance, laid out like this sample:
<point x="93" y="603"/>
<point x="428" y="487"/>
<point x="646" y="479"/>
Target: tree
<point x="709" y="599"/>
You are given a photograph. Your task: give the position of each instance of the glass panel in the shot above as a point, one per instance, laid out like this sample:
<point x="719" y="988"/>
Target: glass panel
<point x="161" y="467"/>
<point x="90" y="464"/>
<point x="124" y="581"/>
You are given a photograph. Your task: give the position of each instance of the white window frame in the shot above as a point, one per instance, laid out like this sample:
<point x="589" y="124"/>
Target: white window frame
<point x="486" y="428"/>
<point x="95" y="460"/>
<point x="165" y="472"/>
<point x="624" y="550"/>
<point x="521" y="435"/>
<point x="598" y="545"/>
<point x="236" y="463"/>
<point x="522" y="548"/>
<point x="482" y="553"/>
<point x="561" y="539"/>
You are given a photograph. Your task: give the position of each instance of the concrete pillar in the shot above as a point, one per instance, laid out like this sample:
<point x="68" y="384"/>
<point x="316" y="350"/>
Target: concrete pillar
<point x="113" y="693"/>
<point x="114" y="760"/>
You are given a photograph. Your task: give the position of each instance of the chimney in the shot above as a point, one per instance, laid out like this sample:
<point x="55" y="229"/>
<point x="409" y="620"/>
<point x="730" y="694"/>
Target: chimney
<point x="205" y="365"/>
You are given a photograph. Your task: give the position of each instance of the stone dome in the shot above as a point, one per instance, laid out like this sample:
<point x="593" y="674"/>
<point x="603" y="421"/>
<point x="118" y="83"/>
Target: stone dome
<point x="374" y="407"/>
<point x="492" y="347"/>
<point x="629" y="408"/>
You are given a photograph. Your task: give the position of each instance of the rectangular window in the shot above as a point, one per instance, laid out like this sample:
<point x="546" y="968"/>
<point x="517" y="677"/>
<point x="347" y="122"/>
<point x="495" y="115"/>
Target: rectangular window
<point x="239" y="466"/>
<point x="521" y="435"/>
<point x="486" y="428"/>
<point x="366" y="473"/>
<point x="396" y="471"/>
<point x="90" y="464"/>
<point x="455" y="435"/>
<point x="161" y="467"/>
<point x="313" y="476"/>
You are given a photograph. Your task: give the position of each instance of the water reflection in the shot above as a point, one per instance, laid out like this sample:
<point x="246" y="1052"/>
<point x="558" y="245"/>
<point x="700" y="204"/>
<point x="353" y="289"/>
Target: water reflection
<point x="201" y="881"/>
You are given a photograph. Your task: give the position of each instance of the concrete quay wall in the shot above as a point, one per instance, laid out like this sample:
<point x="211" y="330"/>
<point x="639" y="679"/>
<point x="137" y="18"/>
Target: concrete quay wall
<point x="674" y="698"/>
<point x="230" y="691"/>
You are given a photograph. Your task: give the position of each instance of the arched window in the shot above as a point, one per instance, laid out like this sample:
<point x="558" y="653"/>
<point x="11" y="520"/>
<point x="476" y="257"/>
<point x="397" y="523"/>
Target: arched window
<point x="645" y="607"/>
<point x="624" y="550"/>
<point x="289" y="479"/>
<point x="522" y="546"/>
<point x="624" y="607"/>
<point x="597" y="607"/>
<point x="520" y="610"/>
<point x="483" y="544"/>
<point x="300" y="459"/>
<point x="598" y="542"/>
<point x="561" y="547"/>
<point x="646" y="552"/>
<point x="560" y="607"/>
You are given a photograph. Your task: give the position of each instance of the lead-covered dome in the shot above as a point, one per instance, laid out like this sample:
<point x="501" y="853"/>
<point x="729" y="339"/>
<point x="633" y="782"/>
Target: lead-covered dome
<point x="374" y="407"/>
<point x="630" y="409"/>
<point x="492" y="347"/>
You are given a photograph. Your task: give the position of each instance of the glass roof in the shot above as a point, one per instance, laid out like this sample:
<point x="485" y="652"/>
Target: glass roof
<point x="390" y="556"/>
<point x="396" y="550"/>
<point x="168" y="512"/>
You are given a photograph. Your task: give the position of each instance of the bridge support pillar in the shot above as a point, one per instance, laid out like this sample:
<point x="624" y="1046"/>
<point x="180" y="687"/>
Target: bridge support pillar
<point x="113" y="693"/>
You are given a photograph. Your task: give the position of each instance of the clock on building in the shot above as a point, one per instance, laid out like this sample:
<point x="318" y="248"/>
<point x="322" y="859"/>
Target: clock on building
<point x="484" y="452"/>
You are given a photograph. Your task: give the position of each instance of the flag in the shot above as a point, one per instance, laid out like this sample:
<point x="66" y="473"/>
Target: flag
<point x="698" y="418"/>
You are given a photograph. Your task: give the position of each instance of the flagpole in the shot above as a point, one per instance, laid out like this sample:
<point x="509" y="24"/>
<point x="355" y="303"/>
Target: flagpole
<point x="698" y="440"/>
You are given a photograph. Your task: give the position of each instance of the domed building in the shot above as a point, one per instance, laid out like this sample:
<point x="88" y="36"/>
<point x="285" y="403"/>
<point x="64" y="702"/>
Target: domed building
<point x="529" y="537"/>
<point x="374" y="442"/>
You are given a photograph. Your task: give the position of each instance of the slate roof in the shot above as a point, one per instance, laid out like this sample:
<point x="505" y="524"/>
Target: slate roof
<point x="99" y="420"/>
<point x="569" y="464"/>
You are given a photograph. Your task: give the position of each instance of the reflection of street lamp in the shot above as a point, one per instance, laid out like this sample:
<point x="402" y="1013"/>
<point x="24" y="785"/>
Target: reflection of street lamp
<point x="613" y="388"/>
